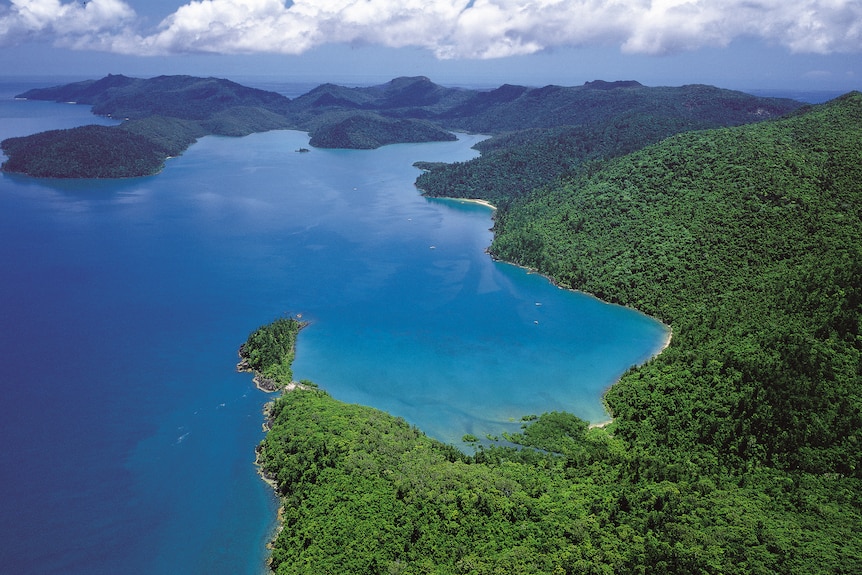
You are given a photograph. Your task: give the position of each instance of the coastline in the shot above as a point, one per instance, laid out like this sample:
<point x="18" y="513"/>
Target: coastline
<point x="664" y="346"/>
<point x="266" y="477"/>
<point x="659" y="350"/>
<point x="271" y="386"/>
<point x="485" y="203"/>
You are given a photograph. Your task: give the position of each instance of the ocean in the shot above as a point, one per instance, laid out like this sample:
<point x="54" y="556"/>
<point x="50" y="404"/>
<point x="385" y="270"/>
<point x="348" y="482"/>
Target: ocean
<point x="126" y="435"/>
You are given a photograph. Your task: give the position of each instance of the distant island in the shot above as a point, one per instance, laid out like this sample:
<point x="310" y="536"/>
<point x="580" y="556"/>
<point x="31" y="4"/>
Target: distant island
<point x="162" y="116"/>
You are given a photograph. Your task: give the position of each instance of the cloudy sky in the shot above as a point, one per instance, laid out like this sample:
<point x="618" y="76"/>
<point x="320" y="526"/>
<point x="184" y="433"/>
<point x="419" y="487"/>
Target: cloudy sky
<point x="744" y="44"/>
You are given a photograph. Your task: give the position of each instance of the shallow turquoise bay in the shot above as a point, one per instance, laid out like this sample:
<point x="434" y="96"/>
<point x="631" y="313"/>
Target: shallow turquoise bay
<point x="128" y="437"/>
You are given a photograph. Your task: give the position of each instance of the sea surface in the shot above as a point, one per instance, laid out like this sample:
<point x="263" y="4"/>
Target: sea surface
<point x="126" y="435"/>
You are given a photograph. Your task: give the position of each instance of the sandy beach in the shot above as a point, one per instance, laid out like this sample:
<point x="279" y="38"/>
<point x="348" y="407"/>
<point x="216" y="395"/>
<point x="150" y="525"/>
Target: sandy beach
<point x="485" y="203"/>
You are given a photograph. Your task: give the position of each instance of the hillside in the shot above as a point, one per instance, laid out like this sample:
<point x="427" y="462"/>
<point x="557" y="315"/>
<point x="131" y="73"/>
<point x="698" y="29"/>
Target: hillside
<point x="183" y="97"/>
<point x="552" y="131"/>
<point x="748" y="242"/>
<point x="734" y="451"/>
<point x="402" y="110"/>
<point x="369" y="131"/>
<point x="163" y="117"/>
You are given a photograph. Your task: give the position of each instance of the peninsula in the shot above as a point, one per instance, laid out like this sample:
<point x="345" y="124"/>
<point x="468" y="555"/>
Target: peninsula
<point x="268" y="353"/>
<point x="734" y="451"/>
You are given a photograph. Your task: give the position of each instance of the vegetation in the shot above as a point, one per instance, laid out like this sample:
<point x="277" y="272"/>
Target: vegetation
<point x="269" y="352"/>
<point x="747" y="241"/>
<point x="514" y="164"/>
<point x="734" y="451"/>
<point x="85" y="152"/>
<point x="563" y="130"/>
<point x="183" y="97"/>
<point x="171" y="112"/>
<point x="369" y="131"/>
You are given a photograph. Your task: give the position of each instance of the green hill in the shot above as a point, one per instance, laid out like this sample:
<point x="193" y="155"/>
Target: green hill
<point x="184" y="97"/>
<point x="402" y="110"/>
<point x="734" y="451"/>
<point x="369" y="131"/>
<point x="748" y="242"/>
<point x="548" y="132"/>
<point x="163" y="117"/>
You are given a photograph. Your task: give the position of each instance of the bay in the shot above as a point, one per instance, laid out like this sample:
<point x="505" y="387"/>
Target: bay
<point x="126" y="436"/>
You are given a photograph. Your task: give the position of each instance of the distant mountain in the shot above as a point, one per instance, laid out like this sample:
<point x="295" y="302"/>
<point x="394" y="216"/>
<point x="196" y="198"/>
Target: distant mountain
<point x="511" y="108"/>
<point x="556" y="131"/>
<point x="166" y="114"/>
<point x="170" y="112"/>
<point x="184" y="97"/>
<point x="369" y="131"/>
<point x="416" y="97"/>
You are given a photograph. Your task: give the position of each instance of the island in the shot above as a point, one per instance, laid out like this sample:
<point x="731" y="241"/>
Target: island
<point x="161" y="117"/>
<point x="736" y="450"/>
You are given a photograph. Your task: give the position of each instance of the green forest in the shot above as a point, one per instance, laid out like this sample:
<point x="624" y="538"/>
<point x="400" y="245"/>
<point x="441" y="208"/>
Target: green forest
<point x="269" y="352"/>
<point x="162" y="116"/>
<point x="737" y="450"/>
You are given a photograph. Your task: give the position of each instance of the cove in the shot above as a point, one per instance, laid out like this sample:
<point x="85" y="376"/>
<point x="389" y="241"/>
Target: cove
<point x="128" y="437"/>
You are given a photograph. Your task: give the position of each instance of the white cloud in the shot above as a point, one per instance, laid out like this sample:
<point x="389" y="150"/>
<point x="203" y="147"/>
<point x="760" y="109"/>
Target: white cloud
<point x="448" y="28"/>
<point x="69" y="22"/>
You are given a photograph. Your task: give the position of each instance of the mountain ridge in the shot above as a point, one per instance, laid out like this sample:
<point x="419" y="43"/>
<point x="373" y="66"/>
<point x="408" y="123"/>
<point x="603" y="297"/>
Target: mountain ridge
<point x="405" y="109"/>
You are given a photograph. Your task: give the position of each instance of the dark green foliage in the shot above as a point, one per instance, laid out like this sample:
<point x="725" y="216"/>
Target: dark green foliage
<point x="243" y="120"/>
<point x="744" y="241"/>
<point x="85" y="152"/>
<point x="86" y="92"/>
<point x="364" y="492"/>
<point x="369" y="131"/>
<point x="269" y="350"/>
<point x="734" y="451"/>
<point x="184" y="97"/>
<point x="164" y="116"/>
<point x="516" y="163"/>
<point x="512" y="108"/>
<point x="171" y="135"/>
<point x="417" y="98"/>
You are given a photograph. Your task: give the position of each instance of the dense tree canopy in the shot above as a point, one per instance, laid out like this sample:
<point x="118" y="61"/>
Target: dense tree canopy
<point x="269" y="351"/>
<point x="747" y="241"/>
<point x="734" y="451"/>
<point x="85" y="152"/>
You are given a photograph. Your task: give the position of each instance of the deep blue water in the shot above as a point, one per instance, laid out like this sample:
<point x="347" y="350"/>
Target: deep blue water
<point x="127" y="437"/>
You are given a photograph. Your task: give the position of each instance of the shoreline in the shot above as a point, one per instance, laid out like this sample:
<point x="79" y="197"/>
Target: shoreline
<point x="485" y="203"/>
<point x="264" y="476"/>
<point x="271" y="386"/>
<point x="664" y="345"/>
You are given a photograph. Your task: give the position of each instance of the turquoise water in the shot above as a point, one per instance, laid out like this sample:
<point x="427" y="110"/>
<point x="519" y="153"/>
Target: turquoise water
<point x="127" y="437"/>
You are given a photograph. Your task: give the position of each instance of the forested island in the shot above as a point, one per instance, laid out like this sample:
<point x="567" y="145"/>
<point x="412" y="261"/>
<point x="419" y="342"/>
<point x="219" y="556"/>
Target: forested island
<point x="162" y="116"/>
<point x="737" y="450"/>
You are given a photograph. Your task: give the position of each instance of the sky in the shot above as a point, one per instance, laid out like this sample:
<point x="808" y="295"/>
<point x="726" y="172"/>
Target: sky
<point x="741" y="44"/>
